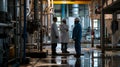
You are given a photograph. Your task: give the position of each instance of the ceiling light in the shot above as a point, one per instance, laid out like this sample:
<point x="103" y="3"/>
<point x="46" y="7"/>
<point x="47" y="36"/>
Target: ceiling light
<point x="71" y="2"/>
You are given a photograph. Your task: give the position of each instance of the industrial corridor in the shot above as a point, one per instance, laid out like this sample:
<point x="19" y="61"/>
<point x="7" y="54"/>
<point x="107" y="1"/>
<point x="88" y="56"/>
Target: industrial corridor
<point x="59" y="33"/>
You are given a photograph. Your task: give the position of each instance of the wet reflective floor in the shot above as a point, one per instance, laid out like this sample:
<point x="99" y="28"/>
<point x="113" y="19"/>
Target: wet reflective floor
<point x="92" y="57"/>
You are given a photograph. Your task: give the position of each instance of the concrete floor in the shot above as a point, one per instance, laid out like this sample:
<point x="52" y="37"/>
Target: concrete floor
<point x="92" y="58"/>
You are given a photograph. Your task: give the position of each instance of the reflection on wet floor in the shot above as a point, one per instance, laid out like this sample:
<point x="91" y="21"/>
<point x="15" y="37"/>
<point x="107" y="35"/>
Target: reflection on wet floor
<point x="92" y="58"/>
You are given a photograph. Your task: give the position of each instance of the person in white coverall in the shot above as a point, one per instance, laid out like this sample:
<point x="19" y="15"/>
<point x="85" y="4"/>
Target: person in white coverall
<point x="54" y="36"/>
<point x="64" y="36"/>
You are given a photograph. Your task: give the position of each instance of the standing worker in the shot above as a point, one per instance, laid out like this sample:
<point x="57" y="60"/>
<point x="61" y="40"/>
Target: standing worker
<point x="64" y="36"/>
<point x="115" y="32"/>
<point x="54" y="36"/>
<point x="77" y="36"/>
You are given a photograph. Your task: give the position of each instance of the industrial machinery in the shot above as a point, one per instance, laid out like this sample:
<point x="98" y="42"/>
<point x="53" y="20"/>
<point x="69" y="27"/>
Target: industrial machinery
<point x="5" y="29"/>
<point x="38" y="27"/>
<point x="20" y="19"/>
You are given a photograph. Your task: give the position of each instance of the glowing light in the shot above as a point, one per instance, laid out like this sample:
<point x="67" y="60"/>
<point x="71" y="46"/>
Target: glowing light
<point x="71" y="2"/>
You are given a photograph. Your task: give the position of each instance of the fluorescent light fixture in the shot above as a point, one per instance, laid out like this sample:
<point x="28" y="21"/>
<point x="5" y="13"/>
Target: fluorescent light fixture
<point x="71" y="2"/>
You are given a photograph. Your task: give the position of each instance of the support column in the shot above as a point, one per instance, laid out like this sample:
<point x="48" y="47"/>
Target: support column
<point x="102" y="33"/>
<point x="41" y="25"/>
<point x="24" y="32"/>
<point x="63" y="11"/>
<point x="75" y="10"/>
<point x="102" y="29"/>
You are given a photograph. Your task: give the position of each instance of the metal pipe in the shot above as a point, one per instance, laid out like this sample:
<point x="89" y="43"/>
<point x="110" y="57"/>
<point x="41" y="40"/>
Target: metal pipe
<point x="47" y="25"/>
<point x="48" y="3"/>
<point x="36" y="11"/>
<point x="24" y="32"/>
<point x="20" y="28"/>
<point x="41" y="25"/>
<point x="17" y="31"/>
<point x="3" y="5"/>
<point x="1" y="51"/>
<point x="102" y="30"/>
<point x="92" y="24"/>
<point x="5" y="25"/>
<point x="28" y="6"/>
<point x="52" y="4"/>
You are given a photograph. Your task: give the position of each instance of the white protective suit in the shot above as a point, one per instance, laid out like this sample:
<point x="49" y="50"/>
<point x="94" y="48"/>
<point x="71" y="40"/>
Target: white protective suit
<point x="54" y="33"/>
<point x="64" y="33"/>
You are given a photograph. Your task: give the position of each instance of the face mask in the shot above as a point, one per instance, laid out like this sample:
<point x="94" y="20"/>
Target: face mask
<point x="76" y="22"/>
